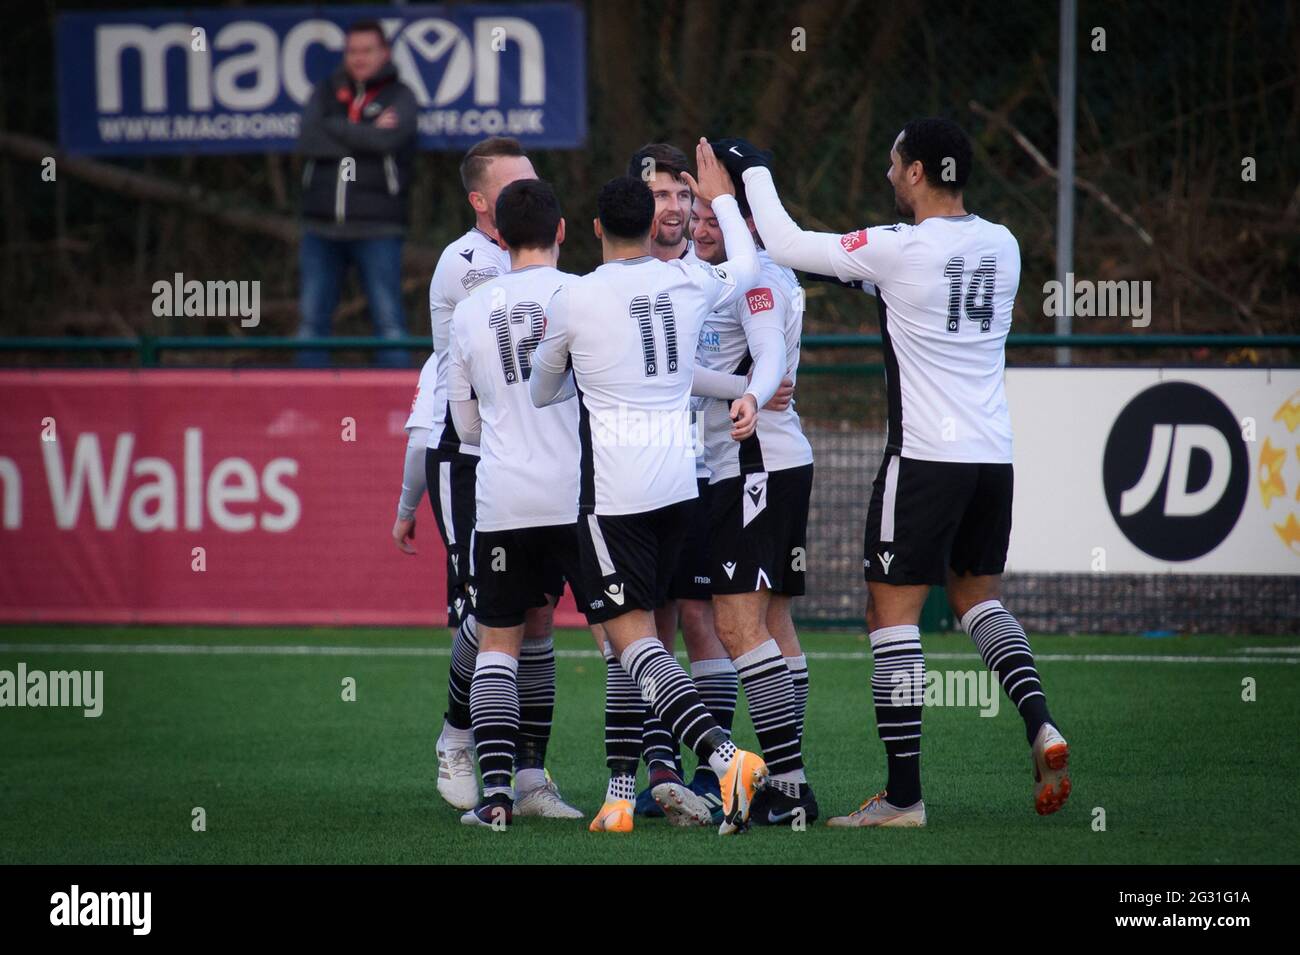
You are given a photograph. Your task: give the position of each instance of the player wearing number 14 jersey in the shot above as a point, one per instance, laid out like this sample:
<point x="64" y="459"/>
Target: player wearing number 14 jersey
<point x="940" y="510"/>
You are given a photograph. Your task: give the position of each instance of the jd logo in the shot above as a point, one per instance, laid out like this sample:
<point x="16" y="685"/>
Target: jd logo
<point x="1176" y="471"/>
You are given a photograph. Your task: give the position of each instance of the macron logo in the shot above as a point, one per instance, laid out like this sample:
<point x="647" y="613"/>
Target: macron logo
<point x="103" y="908"/>
<point x="730" y="568"/>
<point x="736" y="151"/>
<point x="886" y="559"/>
<point x="615" y="593"/>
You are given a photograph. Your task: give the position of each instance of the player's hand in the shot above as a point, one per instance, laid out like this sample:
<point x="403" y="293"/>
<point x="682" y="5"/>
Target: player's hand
<point x="744" y="412"/>
<point x="781" y="400"/>
<point x="404" y="535"/>
<point x="740" y="154"/>
<point x="388" y="119"/>
<point x="714" y="180"/>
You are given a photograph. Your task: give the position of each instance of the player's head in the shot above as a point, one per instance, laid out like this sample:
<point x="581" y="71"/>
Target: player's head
<point x="488" y="168"/>
<point x="528" y="216"/>
<point x="709" y="244"/>
<point x="929" y="156"/>
<point x="625" y="213"/>
<point x="365" y="51"/>
<point x="660" y="166"/>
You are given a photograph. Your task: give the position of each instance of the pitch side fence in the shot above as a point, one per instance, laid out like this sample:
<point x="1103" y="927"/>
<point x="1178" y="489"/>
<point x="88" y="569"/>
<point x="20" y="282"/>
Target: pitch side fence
<point x="841" y="399"/>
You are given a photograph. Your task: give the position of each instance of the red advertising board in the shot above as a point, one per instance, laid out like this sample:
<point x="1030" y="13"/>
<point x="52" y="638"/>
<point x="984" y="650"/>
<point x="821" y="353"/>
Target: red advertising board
<point x="247" y="497"/>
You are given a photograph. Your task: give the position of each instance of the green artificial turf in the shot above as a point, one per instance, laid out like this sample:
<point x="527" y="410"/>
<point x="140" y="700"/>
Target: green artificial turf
<point x="286" y="771"/>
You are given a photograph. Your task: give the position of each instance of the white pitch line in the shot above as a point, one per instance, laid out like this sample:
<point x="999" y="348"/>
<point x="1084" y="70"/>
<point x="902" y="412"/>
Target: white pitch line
<point x="1270" y="649"/>
<point x="214" y="649"/>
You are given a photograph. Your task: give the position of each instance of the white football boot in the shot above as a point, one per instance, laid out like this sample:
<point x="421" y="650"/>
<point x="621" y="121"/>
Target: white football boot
<point x="1051" y="770"/>
<point x="457" y="780"/>
<point x="545" y="802"/>
<point x="876" y="811"/>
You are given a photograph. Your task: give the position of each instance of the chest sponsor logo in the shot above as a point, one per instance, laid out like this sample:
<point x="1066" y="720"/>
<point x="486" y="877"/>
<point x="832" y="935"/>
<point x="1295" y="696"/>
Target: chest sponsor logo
<point x="476" y="277"/>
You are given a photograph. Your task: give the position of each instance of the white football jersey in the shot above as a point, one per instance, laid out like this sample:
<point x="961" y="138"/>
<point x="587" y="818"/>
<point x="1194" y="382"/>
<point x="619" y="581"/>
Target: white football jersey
<point x="775" y="301"/>
<point x="946" y="288"/>
<point x="421" y="415"/>
<point x="466" y="264"/>
<point x="528" y="465"/>
<point x="629" y="329"/>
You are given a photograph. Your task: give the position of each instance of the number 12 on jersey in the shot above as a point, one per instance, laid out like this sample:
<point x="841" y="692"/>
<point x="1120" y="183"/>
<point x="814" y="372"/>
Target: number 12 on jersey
<point x="517" y="357"/>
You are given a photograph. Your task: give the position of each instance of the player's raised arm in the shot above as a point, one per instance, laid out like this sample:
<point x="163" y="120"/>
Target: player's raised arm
<point x="854" y="256"/>
<point x="550" y="380"/>
<point x="715" y="187"/>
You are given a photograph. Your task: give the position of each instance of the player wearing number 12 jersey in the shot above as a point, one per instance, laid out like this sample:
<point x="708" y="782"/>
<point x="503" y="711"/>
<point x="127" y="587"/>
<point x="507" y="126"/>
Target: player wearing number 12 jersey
<point x="525" y="540"/>
<point x="940" y="510"/>
<point x="466" y="264"/>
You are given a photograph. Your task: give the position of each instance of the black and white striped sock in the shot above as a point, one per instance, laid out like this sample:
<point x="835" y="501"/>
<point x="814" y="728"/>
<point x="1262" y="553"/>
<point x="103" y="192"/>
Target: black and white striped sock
<point x="494" y="705"/>
<point x="624" y="715"/>
<point x="769" y="692"/>
<point x="536" y="701"/>
<point x="672" y="695"/>
<point x="464" y="653"/>
<point x="718" y="685"/>
<point x="798" y="666"/>
<point x="898" y="690"/>
<point x="1004" y="648"/>
<point x="657" y="744"/>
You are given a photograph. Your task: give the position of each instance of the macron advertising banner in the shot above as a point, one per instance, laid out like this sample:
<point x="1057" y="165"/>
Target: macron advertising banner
<point x="1152" y="470"/>
<point x="215" y="497"/>
<point x="235" y="80"/>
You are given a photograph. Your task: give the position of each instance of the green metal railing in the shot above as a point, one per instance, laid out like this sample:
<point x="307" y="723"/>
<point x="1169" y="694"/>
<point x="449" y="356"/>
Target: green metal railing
<point x="149" y="349"/>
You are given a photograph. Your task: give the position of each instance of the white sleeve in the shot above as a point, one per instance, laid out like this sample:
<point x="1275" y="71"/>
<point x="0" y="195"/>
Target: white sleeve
<point x="739" y="271"/>
<point x="440" y="308"/>
<point x="550" y="363"/>
<point x="708" y="383"/>
<point x="465" y="416"/>
<point x="413" y="479"/>
<point x="767" y="346"/>
<point x="866" y="254"/>
<point x="459" y="386"/>
<point x="461" y="400"/>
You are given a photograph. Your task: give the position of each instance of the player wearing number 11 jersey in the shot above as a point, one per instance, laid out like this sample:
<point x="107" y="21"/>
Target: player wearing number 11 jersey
<point x="628" y="332"/>
<point x="940" y="510"/>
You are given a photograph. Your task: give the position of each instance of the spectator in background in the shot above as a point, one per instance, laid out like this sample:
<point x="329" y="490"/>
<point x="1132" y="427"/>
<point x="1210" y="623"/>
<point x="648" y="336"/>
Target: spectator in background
<point x="358" y="139"/>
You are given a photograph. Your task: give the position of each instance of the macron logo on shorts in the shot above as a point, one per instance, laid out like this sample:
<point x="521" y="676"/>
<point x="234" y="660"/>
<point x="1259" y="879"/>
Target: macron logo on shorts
<point x="852" y="241"/>
<point x="760" y="300"/>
